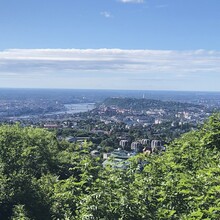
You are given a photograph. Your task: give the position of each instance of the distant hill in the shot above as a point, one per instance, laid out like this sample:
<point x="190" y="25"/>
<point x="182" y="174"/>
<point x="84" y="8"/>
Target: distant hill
<point x="143" y="104"/>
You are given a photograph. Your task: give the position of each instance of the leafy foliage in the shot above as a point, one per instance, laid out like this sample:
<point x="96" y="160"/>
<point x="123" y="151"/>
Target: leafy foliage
<point x="42" y="178"/>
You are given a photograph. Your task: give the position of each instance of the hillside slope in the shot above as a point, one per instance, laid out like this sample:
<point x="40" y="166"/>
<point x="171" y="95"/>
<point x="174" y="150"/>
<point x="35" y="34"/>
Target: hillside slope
<point x="42" y="178"/>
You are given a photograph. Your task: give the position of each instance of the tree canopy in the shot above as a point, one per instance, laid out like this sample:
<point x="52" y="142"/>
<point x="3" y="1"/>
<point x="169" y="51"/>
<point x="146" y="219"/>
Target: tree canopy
<point x="42" y="178"/>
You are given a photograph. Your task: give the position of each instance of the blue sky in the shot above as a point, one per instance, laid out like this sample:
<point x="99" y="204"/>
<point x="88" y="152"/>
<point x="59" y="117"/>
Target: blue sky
<point x="110" y="44"/>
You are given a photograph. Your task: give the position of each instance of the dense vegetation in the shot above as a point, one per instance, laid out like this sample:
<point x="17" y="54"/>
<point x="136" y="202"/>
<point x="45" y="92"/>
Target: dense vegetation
<point x="143" y="104"/>
<point x="41" y="178"/>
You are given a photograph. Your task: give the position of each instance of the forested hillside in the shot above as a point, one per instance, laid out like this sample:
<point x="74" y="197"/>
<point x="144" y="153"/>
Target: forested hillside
<point x="42" y="178"/>
<point x="143" y="104"/>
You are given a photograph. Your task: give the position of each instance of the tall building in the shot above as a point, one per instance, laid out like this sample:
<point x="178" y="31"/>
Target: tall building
<point x="123" y="143"/>
<point x="145" y="142"/>
<point x="155" y="145"/>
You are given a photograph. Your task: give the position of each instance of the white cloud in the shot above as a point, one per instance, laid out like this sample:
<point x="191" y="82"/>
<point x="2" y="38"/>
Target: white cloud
<point x="106" y="14"/>
<point x="132" y="1"/>
<point x="109" y="67"/>
<point x="109" y="59"/>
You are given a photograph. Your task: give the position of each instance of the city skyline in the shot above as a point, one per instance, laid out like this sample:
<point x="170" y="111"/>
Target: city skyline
<point x="110" y="44"/>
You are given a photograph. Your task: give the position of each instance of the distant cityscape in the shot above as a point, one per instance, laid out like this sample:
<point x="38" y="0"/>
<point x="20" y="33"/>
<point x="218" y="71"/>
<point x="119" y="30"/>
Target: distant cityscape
<point x="119" y="124"/>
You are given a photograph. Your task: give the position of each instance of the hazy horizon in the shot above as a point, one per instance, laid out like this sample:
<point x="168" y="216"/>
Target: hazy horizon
<point x="96" y="89"/>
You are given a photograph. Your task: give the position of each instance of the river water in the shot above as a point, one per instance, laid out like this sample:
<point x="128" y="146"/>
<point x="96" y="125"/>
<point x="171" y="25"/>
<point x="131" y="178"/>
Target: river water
<point x="81" y="107"/>
<point x="70" y="109"/>
<point x="75" y="108"/>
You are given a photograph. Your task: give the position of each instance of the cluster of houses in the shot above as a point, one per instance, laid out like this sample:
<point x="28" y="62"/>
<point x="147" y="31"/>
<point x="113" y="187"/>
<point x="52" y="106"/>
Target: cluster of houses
<point x="142" y="144"/>
<point x="118" y="157"/>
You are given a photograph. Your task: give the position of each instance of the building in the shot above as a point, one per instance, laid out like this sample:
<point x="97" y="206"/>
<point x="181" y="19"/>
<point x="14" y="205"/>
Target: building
<point x="156" y="145"/>
<point x="123" y="144"/>
<point x="145" y="142"/>
<point x="136" y="146"/>
<point x="117" y="159"/>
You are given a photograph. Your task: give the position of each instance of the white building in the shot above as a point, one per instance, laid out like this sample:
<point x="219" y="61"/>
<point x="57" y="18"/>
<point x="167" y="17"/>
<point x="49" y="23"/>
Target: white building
<point x="123" y="143"/>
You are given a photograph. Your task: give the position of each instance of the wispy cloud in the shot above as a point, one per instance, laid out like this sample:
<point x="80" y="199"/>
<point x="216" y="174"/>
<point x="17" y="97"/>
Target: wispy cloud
<point x="108" y="65"/>
<point x="106" y="14"/>
<point x="108" y="59"/>
<point x="132" y="1"/>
